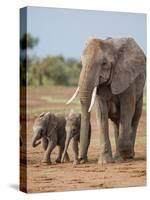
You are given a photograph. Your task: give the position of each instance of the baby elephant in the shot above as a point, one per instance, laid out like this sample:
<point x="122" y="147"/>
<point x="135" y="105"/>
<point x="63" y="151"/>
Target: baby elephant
<point x="49" y="130"/>
<point x="73" y="122"/>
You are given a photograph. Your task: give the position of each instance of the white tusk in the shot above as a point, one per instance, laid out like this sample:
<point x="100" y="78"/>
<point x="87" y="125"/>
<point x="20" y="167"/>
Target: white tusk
<point x="93" y="98"/>
<point x="75" y="94"/>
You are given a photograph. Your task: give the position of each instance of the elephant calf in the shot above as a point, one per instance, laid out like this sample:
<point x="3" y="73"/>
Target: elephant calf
<point x="49" y="130"/>
<point x="73" y="122"/>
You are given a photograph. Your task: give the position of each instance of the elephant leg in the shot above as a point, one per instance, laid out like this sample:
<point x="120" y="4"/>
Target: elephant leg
<point x="127" y="110"/>
<point x="102" y="120"/>
<point x="44" y="143"/>
<point x="116" y="134"/>
<point x="50" y="147"/>
<point x="135" y="122"/>
<point x="75" y="150"/>
<point x="60" y="152"/>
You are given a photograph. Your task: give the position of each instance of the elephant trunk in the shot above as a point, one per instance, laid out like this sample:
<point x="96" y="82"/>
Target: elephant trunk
<point x="85" y="99"/>
<point x="88" y="82"/>
<point x="66" y="146"/>
<point x="87" y="93"/>
<point x="35" y="141"/>
<point x="85" y="121"/>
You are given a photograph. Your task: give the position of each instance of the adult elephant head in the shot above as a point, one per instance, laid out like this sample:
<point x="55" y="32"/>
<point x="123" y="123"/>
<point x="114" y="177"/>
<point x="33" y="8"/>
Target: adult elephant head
<point x="113" y="62"/>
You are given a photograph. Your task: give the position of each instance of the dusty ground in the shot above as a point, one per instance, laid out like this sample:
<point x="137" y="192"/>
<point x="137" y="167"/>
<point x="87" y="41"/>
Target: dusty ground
<point x="62" y="177"/>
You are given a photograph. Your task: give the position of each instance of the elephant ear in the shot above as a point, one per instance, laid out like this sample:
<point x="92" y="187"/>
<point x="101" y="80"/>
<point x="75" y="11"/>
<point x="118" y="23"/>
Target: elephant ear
<point x="54" y="121"/>
<point x="131" y="62"/>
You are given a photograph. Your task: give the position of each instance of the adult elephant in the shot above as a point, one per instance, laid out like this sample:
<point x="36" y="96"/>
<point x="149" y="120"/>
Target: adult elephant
<point x="113" y="73"/>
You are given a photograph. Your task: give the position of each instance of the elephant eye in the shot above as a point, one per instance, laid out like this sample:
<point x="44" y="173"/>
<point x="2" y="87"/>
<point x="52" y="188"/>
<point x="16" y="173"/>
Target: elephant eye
<point x="105" y="65"/>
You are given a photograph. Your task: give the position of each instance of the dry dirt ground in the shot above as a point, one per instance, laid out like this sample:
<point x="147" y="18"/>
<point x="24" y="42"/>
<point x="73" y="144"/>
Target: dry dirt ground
<point x="65" y="176"/>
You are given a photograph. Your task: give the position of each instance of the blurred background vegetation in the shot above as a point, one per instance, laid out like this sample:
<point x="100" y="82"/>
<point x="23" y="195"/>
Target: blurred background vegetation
<point x="51" y="70"/>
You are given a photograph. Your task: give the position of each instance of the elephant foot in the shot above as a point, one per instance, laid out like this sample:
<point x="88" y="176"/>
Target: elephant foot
<point x="124" y="146"/>
<point x="131" y="155"/>
<point x="83" y="160"/>
<point x="105" y="159"/>
<point x="126" y="150"/>
<point x="127" y="154"/>
<point x="58" y="160"/>
<point x="118" y="157"/>
<point x="124" y="155"/>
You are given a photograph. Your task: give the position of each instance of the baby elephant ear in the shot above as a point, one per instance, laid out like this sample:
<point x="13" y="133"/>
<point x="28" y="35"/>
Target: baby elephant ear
<point x="42" y="114"/>
<point x="131" y="62"/>
<point x="53" y="120"/>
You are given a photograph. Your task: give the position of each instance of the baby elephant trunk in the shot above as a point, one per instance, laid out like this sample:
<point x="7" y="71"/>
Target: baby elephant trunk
<point x="66" y="147"/>
<point x="35" y="140"/>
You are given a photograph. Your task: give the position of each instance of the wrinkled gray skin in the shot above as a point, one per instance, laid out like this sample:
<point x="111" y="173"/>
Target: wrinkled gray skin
<point x="117" y="68"/>
<point x="73" y="122"/>
<point x="49" y="130"/>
